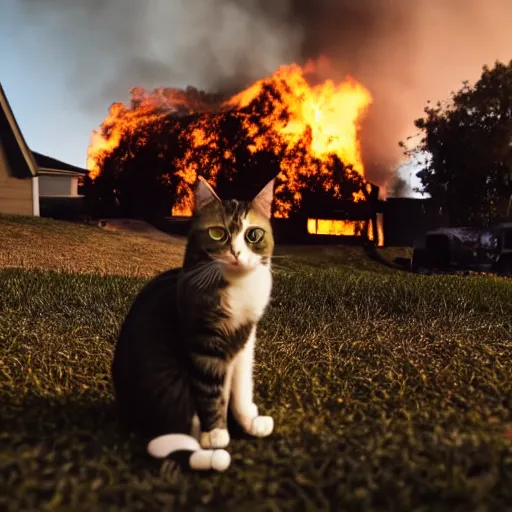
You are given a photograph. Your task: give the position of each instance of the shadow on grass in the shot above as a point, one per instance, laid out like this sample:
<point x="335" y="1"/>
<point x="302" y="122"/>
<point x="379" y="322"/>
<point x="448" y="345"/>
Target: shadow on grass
<point x="59" y="430"/>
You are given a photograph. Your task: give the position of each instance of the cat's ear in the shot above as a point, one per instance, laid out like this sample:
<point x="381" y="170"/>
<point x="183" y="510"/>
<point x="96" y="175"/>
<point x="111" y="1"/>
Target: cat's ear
<point x="204" y="193"/>
<point x="263" y="201"/>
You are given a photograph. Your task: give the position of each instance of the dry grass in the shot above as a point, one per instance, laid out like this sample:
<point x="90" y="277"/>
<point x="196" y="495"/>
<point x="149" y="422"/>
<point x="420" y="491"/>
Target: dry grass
<point x="131" y="248"/>
<point x="46" y="244"/>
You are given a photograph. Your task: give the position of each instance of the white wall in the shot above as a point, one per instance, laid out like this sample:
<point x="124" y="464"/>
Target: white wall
<point x="35" y="196"/>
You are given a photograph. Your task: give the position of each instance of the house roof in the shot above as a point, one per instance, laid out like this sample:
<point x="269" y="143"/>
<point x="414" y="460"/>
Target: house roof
<point x="49" y="165"/>
<point x="23" y="162"/>
<point x="17" y="153"/>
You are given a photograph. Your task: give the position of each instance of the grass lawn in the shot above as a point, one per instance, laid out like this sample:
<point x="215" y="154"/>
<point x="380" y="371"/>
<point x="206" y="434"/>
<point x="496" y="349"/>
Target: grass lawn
<point x="390" y="391"/>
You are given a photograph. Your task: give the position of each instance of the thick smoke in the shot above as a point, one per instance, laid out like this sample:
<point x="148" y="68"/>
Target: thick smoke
<point x="406" y="52"/>
<point x="110" y="46"/>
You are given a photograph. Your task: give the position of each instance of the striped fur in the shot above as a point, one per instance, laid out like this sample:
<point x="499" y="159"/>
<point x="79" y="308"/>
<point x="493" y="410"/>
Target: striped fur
<point x="186" y="346"/>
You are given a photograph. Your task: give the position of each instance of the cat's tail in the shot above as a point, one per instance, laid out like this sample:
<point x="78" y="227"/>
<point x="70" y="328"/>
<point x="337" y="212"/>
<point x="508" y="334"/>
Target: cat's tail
<point x="200" y="459"/>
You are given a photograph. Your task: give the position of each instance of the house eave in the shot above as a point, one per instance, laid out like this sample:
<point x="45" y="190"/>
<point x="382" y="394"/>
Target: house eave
<point x="43" y="171"/>
<point x="61" y="196"/>
<point x="22" y="144"/>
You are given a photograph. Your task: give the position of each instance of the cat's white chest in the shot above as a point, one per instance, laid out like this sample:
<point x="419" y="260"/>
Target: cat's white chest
<point x="246" y="297"/>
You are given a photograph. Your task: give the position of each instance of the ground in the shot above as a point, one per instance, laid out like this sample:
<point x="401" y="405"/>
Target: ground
<point x="390" y="391"/>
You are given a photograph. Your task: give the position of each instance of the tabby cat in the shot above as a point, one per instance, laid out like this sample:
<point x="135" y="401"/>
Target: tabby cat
<point x="185" y="350"/>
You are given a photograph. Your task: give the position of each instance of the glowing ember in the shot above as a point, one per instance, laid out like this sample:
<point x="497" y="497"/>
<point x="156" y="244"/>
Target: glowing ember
<point x="310" y="130"/>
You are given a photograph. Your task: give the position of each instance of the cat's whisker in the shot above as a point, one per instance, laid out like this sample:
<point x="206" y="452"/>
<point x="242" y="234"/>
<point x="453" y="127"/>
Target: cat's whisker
<point x="201" y="282"/>
<point x="212" y="276"/>
<point x="194" y="277"/>
<point x="198" y="268"/>
<point x="207" y="275"/>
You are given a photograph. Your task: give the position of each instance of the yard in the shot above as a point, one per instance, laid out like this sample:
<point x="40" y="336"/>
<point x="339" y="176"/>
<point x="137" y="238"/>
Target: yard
<point x="390" y="391"/>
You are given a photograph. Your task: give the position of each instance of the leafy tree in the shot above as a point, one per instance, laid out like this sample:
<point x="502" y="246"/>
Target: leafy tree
<point x="467" y="141"/>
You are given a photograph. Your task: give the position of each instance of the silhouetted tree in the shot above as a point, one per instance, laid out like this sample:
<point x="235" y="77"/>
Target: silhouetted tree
<point x="468" y="146"/>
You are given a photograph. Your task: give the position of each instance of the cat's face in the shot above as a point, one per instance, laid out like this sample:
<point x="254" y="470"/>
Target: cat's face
<point x="235" y="234"/>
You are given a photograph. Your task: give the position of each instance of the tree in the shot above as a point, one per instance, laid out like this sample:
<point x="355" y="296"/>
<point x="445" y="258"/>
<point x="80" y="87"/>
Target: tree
<point x="467" y="141"/>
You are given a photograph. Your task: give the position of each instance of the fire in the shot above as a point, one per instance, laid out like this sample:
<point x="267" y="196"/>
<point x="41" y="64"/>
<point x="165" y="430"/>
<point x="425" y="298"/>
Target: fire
<point x="338" y="227"/>
<point x="330" y="111"/>
<point x="310" y="130"/>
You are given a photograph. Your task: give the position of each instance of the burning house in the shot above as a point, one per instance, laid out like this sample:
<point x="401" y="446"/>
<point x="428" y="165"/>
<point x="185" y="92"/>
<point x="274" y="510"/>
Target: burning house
<point x="146" y="156"/>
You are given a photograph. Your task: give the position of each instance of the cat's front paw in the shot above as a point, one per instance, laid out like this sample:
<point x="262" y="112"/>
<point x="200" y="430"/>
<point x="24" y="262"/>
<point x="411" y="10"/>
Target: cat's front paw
<point x="216" y="438"/>
<point x="261" y="426"/>
<point x="254" y="424"/>
<point x="252" y="410"/>
<point x="244" y="415"/>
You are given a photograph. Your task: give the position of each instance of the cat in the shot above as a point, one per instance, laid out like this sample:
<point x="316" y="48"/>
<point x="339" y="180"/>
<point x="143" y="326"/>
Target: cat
<point x="185" y="350"/>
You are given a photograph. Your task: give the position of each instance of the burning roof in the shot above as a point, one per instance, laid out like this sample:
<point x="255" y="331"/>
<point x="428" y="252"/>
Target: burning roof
<point x="289" y="125"/>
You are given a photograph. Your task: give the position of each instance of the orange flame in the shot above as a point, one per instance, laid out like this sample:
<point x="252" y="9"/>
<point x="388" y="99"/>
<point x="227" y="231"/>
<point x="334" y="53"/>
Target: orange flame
<point x="304" y="125"/>
<point x="338" y="227"/>
<point x="331" y="111"/>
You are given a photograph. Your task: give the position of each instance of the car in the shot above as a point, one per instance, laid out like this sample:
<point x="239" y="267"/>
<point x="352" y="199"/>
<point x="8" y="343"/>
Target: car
<point x="458" y="249"/>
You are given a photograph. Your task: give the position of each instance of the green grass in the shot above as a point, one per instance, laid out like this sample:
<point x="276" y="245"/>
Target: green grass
<point x="389" y="391"/>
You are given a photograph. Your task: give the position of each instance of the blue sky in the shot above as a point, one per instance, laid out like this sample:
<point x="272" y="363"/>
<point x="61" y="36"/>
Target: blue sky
<point x="49" y="115"/>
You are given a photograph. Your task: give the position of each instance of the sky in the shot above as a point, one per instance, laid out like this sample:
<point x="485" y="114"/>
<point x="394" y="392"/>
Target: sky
<point x="68" y="60"/>
<point x="50" y="117"/>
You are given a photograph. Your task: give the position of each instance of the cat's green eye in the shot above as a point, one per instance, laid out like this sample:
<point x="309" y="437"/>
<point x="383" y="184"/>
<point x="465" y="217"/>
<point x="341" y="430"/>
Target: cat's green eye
<point x="254" y="235"/>
<point x="218" y="234"/>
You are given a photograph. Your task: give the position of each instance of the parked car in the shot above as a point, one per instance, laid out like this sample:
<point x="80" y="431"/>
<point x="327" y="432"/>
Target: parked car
<point x="465" y="249"/>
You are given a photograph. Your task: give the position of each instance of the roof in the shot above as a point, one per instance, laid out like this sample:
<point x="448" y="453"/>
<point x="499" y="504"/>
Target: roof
<point x="48" y="164"/>
<point x="20" y="158"/>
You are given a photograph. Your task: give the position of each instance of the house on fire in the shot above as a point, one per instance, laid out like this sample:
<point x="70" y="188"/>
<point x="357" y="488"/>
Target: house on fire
<point x="32" y="183"/>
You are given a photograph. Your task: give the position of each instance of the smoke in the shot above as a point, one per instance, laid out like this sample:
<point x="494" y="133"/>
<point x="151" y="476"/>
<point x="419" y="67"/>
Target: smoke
<point x="405" y="52"/>
<point x="110" y="46"/>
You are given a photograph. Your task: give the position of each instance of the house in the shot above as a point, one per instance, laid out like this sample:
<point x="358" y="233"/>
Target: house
<point x="32" y="183"/>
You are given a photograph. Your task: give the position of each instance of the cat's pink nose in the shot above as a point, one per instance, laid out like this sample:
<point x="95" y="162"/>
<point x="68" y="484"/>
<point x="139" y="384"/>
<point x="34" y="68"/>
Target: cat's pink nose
<point x="236" y="262"/>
